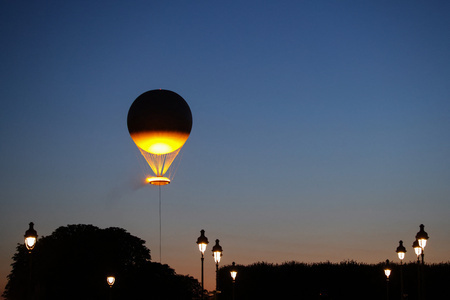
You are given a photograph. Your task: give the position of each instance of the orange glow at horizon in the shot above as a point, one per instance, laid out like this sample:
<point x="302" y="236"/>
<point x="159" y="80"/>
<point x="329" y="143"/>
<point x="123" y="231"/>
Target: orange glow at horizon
<point x="159" y="142"/>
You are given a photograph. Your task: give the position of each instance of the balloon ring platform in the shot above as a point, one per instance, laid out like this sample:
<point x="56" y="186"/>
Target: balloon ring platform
<point x="158" y="180"/>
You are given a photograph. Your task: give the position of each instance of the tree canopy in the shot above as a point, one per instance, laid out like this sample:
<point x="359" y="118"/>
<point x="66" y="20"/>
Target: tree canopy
<point x="345" y="280"/>
<point x="74" y="261"/>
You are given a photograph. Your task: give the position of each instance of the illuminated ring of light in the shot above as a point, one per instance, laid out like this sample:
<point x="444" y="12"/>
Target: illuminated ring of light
<point x="158" y="180"/>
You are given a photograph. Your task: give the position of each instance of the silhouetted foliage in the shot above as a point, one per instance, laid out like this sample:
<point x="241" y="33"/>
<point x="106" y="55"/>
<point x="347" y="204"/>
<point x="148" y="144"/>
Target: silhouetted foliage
<point x="346" y="280"/>
<point x="74" y="261"/>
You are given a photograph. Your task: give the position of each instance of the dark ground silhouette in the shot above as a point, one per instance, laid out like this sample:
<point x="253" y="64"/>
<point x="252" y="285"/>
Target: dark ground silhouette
<point x="74" y="261"/>
<point x="345" y="280"/>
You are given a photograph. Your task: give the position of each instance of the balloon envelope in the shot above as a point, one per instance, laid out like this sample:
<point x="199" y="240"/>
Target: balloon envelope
<point x="159" y="121"/>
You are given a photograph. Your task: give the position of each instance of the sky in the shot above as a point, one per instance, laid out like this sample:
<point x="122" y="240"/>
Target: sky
<point x="320" y="128"/>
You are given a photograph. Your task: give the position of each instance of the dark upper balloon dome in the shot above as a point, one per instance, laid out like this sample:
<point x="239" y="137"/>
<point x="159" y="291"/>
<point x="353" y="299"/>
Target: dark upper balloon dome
<point x="159" y="110"/>
<point x="157" y="116"/>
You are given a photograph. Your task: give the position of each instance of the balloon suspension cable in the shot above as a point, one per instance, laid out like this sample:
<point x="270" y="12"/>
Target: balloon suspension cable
<point x="160" y="261"/>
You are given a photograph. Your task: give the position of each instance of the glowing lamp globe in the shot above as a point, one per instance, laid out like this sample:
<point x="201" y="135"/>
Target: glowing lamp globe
<point x="30" y="242"/>
<point x="387" y="269"/>
<point x="110" y="280"/>
<point x="233" y="271"/>
<point x="417" y="248"/>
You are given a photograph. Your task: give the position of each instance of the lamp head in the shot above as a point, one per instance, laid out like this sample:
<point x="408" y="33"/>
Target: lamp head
<point x="422" y="236"/>
<point x="401" y="250"/>
<point x="217" y="252"/>
<point x="30" y="237"/>
<point x="202" y="241"/>
<point x="233" y="271"/>
<point x="387" y="269"/>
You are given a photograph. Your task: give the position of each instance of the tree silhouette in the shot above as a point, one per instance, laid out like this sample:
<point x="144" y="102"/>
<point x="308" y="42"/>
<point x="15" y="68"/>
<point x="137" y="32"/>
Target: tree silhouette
<point x="74" y="261"/>
<point x="346" y="280"/>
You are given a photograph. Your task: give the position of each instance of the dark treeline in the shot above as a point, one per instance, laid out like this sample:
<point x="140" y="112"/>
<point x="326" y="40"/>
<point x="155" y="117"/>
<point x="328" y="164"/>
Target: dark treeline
<point x="345" y="280"/>
<point x="74" y="261"/>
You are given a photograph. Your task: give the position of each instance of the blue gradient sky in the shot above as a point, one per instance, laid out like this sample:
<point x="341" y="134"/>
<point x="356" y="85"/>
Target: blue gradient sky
<point x="321" y="128"/>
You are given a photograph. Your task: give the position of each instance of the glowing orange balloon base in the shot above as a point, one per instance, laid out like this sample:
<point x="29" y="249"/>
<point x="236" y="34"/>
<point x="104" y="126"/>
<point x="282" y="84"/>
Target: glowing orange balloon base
<point x="158" y="180"/>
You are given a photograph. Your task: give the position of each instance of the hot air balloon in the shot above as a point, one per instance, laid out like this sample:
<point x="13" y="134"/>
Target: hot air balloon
<point x="159" y="122"/>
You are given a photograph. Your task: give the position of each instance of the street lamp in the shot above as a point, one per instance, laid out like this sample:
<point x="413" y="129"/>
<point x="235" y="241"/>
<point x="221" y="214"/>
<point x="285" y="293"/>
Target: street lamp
<point x="30" y="237"/>
<point x="217" y="253"/>
<point x="420" y="243"/>
<point x="417" y="250"/>
<point x="202" y="242"/>
<point x="387" y="272"/>
<point x="401" y="251"/>
<point x="30" y="241"/>
<point x="233" y="273"/>
<point x="422" y="238"/>
<point x="110" y="280"/>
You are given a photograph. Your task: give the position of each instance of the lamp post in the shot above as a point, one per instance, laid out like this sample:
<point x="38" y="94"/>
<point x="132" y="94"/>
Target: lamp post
<point x="422" y="238"/>
<point x="401" y="250"/>
<point x="233" y="273"/>
<point x="110" y="280"/>
<point x="418" y="251"/>
<point x="217" y="253"/>
<point x="30" y="242"/>
<point x="387" y="272"/>
<point x="202" y="242"/>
